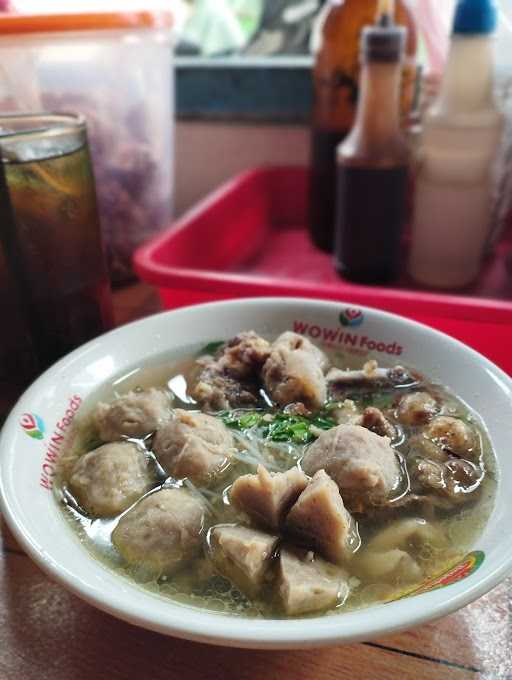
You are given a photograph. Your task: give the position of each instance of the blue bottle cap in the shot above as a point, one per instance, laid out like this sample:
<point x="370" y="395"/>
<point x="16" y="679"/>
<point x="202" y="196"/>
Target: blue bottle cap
<point x="475" y="17"/>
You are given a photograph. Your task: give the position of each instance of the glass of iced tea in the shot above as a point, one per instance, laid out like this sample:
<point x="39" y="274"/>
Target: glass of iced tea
<point x="54" y="286"/>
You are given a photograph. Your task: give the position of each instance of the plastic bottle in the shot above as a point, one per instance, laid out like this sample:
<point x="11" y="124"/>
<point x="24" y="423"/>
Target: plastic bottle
<point x="462" y="131"/>
<point x="373" y="162"/>
<point x="336" y="87"/>
<point x="502" y="216"/>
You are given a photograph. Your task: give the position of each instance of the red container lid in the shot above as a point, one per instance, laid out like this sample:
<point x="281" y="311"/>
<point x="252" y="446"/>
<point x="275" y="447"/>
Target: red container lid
<point x="18" y="24"/>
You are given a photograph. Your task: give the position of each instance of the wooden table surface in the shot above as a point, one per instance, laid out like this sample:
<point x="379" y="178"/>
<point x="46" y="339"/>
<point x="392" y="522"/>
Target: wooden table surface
<point x="48" y="634"/>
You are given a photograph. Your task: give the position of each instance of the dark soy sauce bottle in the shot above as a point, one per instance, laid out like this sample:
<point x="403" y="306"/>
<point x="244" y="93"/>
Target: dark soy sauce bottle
<point x="336" y="87"/>
<point x="372" y="163"/>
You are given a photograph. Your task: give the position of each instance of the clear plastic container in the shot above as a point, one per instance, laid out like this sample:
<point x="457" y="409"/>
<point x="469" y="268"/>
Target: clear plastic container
<point x="116" y="69"/>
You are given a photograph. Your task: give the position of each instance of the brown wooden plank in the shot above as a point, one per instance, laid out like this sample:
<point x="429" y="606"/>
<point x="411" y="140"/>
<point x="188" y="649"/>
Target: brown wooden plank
<point x="48" y="634"/>
<point x="479" y="635"/>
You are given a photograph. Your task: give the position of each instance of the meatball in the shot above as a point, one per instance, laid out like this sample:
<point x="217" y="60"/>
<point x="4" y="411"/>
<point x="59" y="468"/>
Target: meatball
<point x="416" y="408"/>
<point x="452" y="434"/>
<point x="162" y="532"/>
<point x="295" y="341"/>
<point x="242" y="555"/>
<point x="109" y="479"/>
<point x="135" y="414"/>
<point x="266" y="497"/>
<point x="363" y="465"/>
<point x="308" y="584"/>
<point x="320" y="521"/>
<point x="193" y="445"/>
<point x="294" y="372"/>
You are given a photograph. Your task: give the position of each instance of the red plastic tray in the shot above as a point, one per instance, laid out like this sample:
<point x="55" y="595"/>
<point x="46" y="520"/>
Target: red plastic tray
<point x="249" y="239"/>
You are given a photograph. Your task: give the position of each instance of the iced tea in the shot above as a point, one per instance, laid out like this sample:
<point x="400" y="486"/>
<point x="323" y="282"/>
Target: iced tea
<point x="53" y="277"/>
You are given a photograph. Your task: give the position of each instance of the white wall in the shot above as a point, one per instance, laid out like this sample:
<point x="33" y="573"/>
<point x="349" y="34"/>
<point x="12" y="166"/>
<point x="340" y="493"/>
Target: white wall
<point x="209" y="153"/>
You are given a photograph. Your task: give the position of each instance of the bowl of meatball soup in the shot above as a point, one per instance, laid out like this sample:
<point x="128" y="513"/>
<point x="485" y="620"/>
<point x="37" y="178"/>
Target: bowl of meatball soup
<point x="266" y="473"/>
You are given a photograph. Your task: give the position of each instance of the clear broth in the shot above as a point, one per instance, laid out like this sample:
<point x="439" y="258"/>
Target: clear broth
<point x="199" y="584"/>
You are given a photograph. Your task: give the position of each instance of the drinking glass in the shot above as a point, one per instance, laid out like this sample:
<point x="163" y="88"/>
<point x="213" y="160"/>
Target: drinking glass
<point x="54" y="287"/>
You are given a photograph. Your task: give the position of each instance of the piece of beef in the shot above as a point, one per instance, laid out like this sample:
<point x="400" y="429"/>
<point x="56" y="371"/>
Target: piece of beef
<point x="232" y="378"/>
<point x="242" y="555"/>
<point x="373" y="419"/>
<point x="392" y="566"/>
<point x="309" y="584"/>
<point x="215" y="390"/>
<point x="244" y="355"/>
<point x="320" y="521"/>
<point x="389" y="554"/>
<point x="455" y="480"/>
<point x="454" y="435"/>
<point x="371" y="375"/>
<point x="416" y="408"/>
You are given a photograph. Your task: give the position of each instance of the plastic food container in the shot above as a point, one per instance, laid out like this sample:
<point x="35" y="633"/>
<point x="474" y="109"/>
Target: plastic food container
<point x="115" y="69"/>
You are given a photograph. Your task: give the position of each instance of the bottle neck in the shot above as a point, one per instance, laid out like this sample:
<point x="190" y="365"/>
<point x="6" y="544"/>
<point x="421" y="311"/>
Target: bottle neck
<point x="468" y="84"/>
<point x="378" y="111"/>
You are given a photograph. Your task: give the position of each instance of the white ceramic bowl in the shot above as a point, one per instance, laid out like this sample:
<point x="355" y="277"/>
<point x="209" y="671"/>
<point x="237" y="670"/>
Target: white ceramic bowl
<point x="27" y="464"/>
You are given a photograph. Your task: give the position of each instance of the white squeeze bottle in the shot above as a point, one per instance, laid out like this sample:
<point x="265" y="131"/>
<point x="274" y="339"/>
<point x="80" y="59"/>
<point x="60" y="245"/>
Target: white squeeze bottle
<point x="462" y="132"/>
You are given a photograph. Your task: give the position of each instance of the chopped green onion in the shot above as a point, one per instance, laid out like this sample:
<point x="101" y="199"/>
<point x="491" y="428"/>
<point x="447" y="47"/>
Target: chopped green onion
<point x="212" y="347"/>
<point x="282" y="428"/>
<point x="250" y="420"/>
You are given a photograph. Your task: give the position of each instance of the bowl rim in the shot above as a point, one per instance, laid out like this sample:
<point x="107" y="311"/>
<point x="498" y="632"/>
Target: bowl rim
<point x="226" y="630"/>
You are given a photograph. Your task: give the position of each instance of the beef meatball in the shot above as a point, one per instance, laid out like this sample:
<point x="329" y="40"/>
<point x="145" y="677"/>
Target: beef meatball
<point x="243" y="555"/>
<point x="320" y="521"/>
<point x="294" y="341"/>
<point x="109" y="479"/>
<point x="363" y="464"/>
<point x="193" y="445"/>
<point x="294" y="372"/>
<point x="308" y="584"/>
<point x="135" y="414"/>
<point x="162" y="532"/>
<point x="267" y="497"/>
